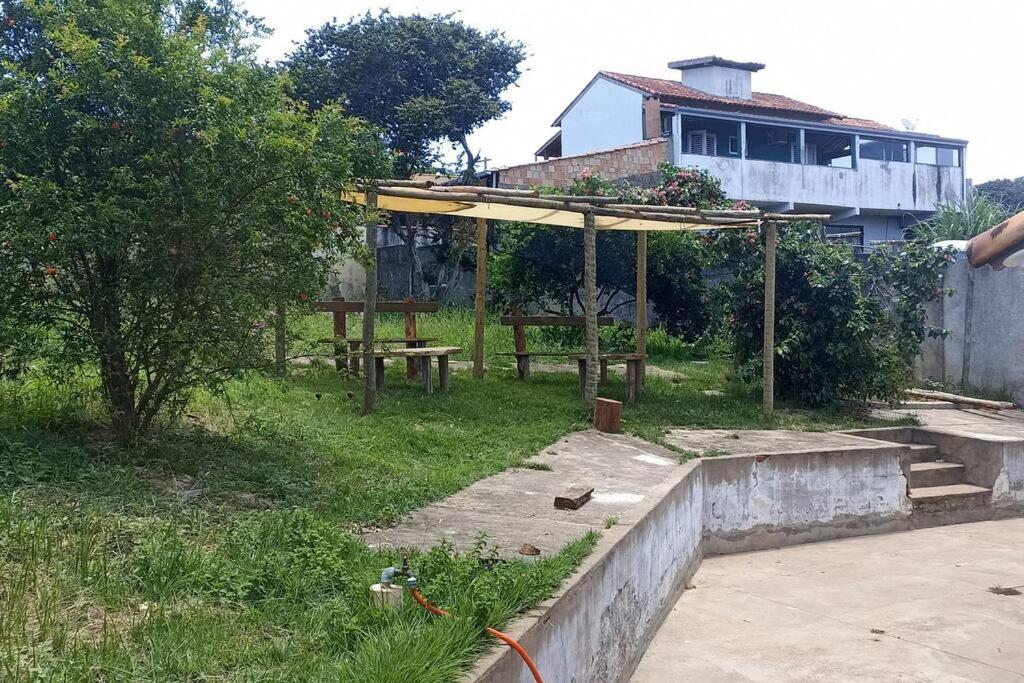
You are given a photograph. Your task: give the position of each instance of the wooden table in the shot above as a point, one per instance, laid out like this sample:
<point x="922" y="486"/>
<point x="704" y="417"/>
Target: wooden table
<point x="634" y="373"/>
<point x="423" y="355"/>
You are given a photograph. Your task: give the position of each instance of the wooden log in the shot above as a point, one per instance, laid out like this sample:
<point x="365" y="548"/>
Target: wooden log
<point x="793" y="217"/>
<point x="641" y="296"/>
<point x="960" y="400"/>
<point x="574" y="497"/>
<point x="481" y="190"/>
<point x="339" y="320"/>
<point x="590" y="300"/>
<point x="428" y="375"/>
<point x="518" y="331"/>
<point x="996" y="241"/>
<point x="378" y="376"/>
<point x="768" y="395"/>
<point x="603" y="378"/>
<point x="480" y="298"/>
<point x="686" y="210"/>
<point x="632" y="372"/>
<point x="354" y="356"/>
<point x="523" y="367"/>
<point x="369" y="309"/>
<point x="590" y="199"/>
<point x="608" y="415"/>
<point x="421" y="184"/>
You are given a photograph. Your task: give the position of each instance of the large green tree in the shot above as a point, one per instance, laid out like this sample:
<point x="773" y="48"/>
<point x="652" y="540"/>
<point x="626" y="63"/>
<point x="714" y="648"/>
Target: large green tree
<point x="161" y="193"/>
<point x="1009" y="193"/>
<point x="423" y="79"/>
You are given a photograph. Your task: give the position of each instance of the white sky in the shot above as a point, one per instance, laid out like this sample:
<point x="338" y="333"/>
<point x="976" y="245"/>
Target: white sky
<point x="956" y="69"/>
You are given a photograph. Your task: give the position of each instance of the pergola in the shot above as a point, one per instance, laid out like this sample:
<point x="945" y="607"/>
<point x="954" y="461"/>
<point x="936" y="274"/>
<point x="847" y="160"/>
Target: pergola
<point x="587" y="213"/>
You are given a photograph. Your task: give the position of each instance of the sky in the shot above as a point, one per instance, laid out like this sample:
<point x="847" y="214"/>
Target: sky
<point x="955" y="69"/>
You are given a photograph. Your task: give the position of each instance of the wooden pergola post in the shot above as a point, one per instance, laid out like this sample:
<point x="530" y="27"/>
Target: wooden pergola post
<point x="590" y="291"/>
<point x="771" y="237"/>
<point x="480" y="298"/>
<point x="370" y="307"/>
<point x="641" y="299"/>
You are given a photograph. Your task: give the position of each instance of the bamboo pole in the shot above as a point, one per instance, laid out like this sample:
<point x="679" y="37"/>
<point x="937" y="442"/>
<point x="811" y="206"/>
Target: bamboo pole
<point x="590" y="289"/>
<point x="370" y="308"/>
<point x="641" y="298"/>
<point x="480" y="299"/>
<point x="770" y="241"/>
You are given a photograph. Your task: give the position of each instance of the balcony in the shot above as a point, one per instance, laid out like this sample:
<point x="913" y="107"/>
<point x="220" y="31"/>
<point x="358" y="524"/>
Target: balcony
<point x="764" y="164"/>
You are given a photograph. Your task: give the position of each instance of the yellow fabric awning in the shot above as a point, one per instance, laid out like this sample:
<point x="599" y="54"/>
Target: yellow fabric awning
<point x="506" y="212"/>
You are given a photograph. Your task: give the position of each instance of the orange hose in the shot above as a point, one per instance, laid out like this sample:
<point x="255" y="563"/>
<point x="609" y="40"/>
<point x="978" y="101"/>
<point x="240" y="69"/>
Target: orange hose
<point x="509" y="640"/>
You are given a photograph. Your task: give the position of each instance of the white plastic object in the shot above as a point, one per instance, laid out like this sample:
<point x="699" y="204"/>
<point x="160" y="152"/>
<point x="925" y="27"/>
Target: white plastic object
<point x="386" y="595"/>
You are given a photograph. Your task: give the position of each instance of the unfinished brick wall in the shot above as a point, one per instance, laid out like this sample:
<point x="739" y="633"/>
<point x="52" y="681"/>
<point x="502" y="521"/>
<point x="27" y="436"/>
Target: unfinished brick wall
<point x="637" y="162"/>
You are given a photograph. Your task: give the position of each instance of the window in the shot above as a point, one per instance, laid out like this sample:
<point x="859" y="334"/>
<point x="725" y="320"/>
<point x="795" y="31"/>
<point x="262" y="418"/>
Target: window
<point x="702" y="142"/>
<point x="810" y="153"/>
<point x="938" y="156"/>
<point x="828" y="149"/>
<point x="884" y="149"/>
<point x="772" y="143"/>
<point x="734" y="144"/>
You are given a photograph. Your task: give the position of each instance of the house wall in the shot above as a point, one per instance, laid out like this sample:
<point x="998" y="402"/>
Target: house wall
<point x="986" y="331"/>
<point x="638" y="162"/>
<point x="884" y="185"/>
<point x="606" y="115"/>
<point x="720" y="80"/>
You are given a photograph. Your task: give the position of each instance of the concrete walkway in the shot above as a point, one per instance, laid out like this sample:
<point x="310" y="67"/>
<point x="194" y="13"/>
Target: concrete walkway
<point x="914" y="606"/>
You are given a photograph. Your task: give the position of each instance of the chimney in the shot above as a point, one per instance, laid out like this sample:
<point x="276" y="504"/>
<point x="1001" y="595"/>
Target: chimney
<point x="717" y="76"/>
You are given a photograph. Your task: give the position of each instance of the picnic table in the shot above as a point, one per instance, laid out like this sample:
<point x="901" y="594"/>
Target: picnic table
<point x="354" y="346"/>
<point x="422" y="356"/>
<point x="519" y="322"/>
<point x="634" y="373"/>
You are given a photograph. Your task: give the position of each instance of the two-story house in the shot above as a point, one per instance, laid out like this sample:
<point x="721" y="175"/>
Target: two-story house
<point x="770" y="150"/>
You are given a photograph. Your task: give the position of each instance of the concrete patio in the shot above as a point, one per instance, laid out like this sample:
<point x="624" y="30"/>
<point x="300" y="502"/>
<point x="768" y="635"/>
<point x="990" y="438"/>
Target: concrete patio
<point x="912" y="606"/>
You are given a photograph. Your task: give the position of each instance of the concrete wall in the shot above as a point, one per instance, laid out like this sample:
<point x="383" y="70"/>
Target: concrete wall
<point x="719" y="80"/>
<point x="985" y="319"/>
<point x="606" y="115"/>
<point x="885" y="185"/>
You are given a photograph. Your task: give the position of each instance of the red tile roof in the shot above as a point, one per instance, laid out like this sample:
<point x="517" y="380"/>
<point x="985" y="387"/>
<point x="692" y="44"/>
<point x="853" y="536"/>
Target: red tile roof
<point x="674" y="92"/>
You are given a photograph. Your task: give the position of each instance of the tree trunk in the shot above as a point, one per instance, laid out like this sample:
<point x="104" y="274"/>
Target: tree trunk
<point x="279" y="339"/>
<point x="590" y="309"/>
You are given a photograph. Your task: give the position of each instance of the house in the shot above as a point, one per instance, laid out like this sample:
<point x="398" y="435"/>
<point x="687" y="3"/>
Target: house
<point x="769" y="150"/>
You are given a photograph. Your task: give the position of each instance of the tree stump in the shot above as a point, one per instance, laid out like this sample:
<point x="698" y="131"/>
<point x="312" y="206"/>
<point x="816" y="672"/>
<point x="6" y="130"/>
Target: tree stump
<point x="608" y="415"/>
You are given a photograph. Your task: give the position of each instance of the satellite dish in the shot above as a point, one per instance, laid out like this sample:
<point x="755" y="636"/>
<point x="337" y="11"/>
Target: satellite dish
<point x="908" y="124"/>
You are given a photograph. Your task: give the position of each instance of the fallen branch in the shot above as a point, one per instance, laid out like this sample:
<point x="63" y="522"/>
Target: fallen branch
<point x="961" y="400"/>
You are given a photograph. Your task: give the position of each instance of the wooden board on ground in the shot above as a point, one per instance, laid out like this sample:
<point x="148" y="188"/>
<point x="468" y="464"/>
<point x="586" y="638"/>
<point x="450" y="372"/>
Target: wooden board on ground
<point x="574" y="498"/>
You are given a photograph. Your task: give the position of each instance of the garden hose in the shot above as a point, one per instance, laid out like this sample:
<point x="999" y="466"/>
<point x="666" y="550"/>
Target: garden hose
<point x="506" y="638"/>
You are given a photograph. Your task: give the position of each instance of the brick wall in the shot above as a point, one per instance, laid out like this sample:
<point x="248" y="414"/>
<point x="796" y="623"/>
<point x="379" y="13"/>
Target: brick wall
<point x="637" y="163"/>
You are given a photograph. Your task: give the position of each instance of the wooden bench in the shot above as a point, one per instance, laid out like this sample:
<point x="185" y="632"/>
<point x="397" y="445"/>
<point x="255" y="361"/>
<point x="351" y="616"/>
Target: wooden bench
<point x="519" y="322"/>
<point x="422" y="357"/>
<point x="339" y="310"/>
<point x="634" y="370"/>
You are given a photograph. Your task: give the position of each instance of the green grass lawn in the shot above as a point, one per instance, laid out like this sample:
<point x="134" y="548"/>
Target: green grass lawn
<point x="224" y="548"/>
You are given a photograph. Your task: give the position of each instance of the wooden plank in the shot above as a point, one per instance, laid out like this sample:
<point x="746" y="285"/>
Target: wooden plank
<point x="574" y="497"/>
<point x="608" y="415"/>
<point x="553" y="320"/>
<point x="369" y="308"/>
<point x="480" y="298"/>
<point x="961" y="400"/>
<point x="771" y="237"/>
<point x="381" y="307"/>
<point x="422" y="352"/>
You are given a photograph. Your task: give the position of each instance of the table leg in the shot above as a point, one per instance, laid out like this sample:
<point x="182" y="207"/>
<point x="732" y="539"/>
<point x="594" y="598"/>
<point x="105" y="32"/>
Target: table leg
<point x="523" y="367"/>
<point x="604" y="371"/>
<point x="412" y="365"/>
<point x="442" y="373"/>
<point x="353" y="357"/>
<point x="428" y="376"/>
<point x="378" y="373"/>
<point x="581" y="364"/>
<point x="632" y="369"/>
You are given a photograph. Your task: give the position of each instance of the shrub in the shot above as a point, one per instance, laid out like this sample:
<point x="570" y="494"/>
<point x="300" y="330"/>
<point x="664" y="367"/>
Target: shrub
<point x="834" y="341"/>
<point x="161" y="194"/>
<point x="962" y="220"/>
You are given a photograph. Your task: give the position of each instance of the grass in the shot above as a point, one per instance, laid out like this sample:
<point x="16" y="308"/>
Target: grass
<point x="224" y="549"/>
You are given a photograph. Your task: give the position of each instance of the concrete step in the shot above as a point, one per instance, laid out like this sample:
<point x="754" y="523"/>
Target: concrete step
<point x="920" y="452"/>
<point x="938" y="494"/>
<point x="937" y="473"/>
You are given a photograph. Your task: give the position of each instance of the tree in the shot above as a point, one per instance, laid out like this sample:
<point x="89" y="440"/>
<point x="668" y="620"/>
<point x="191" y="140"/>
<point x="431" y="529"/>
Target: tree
<point x="161" y="193"/>
<point x="422" y="79"/>
<point x="1009" y="193"/>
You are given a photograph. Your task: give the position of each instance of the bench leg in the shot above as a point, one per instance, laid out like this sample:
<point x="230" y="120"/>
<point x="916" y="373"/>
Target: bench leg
<point x="442" y="373"/>
<point x="523" y="367"/>
<point x="632" y="370"/>
<point x="604" y="371"/>
<point x="378" y="373"/>
<point x="353" y="358"/>
<point x="581" y="364"/>
<point x="428" y="376"/>
<point x="412" y="366"/>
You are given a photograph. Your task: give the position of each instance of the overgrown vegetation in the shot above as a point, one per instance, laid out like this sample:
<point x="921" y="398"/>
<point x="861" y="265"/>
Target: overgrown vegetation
<point x="962" y="219"/>
<point x="1009" y="193"/>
